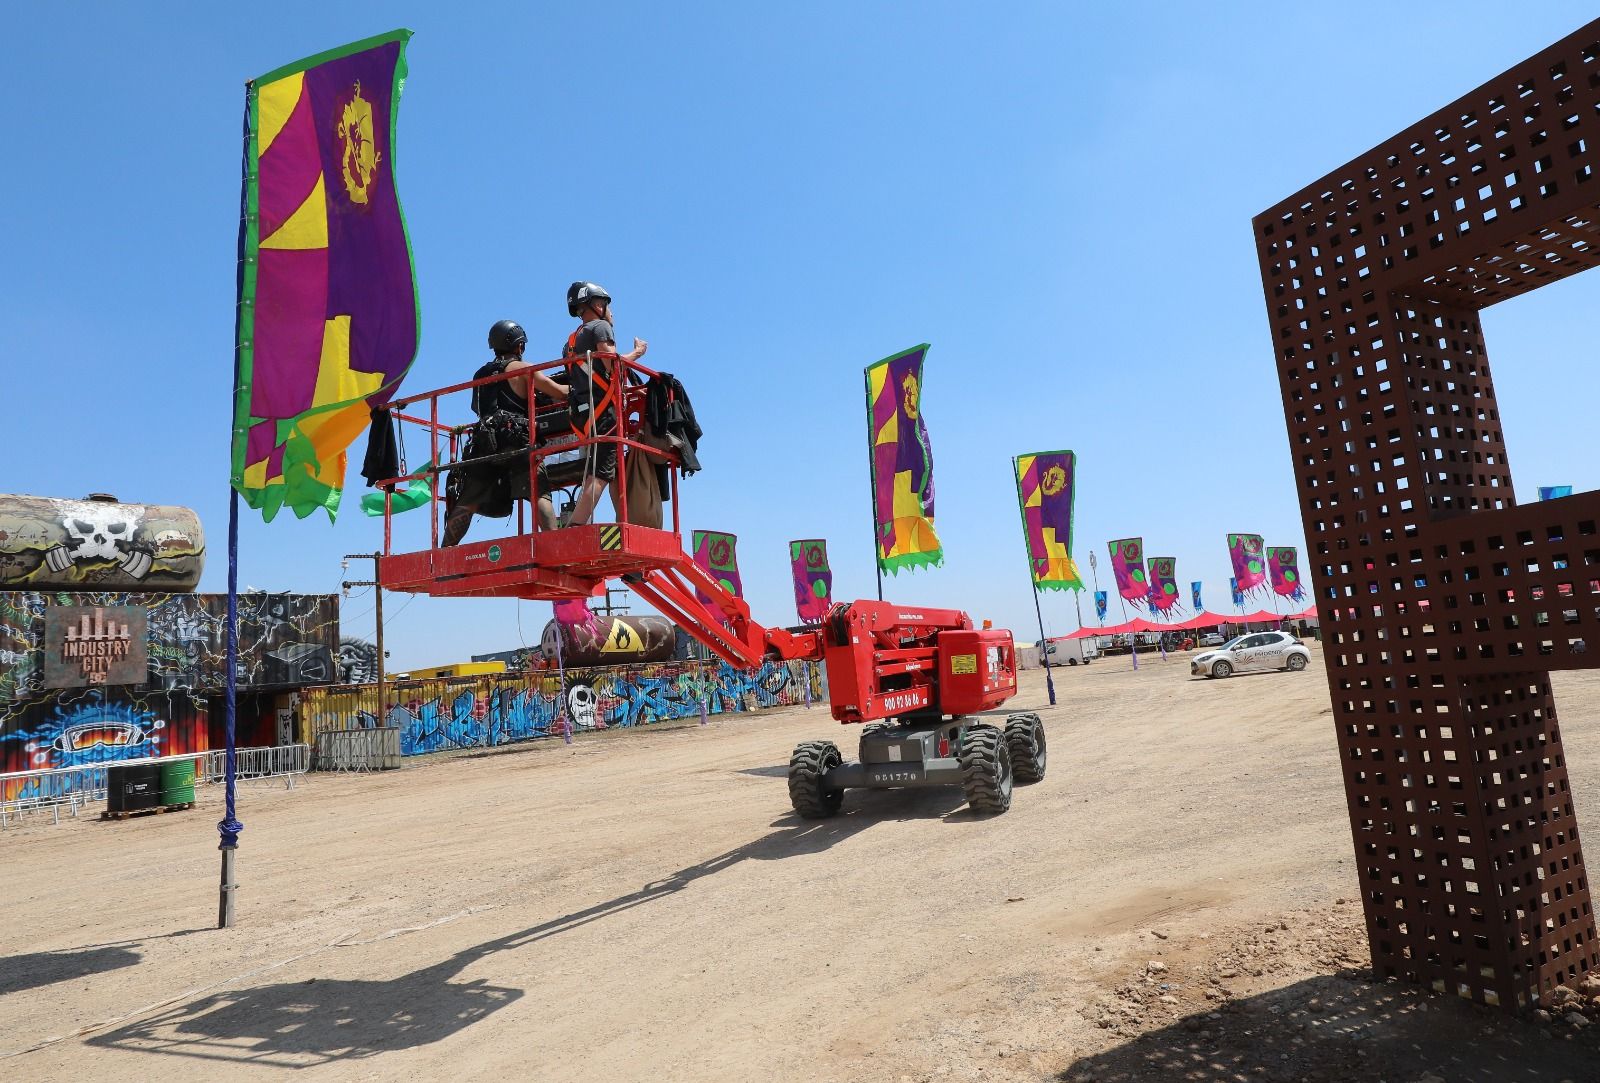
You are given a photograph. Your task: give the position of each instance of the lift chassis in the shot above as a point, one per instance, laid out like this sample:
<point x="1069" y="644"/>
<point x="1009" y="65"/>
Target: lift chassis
<point x="921" y="680"/>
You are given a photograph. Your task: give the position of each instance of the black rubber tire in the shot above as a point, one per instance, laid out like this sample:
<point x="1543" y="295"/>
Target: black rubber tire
<point x="1296" y="664"/>
<point x="1072" y="661"/>
<point x="807" y="767"/>
<point x="1221" y="669"/>
<point x="1025" y="741"/>
<point x="986" y="770"/>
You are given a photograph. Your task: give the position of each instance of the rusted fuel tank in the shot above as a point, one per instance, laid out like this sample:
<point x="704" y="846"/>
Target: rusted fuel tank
<point x="610" y="641"/>
<point x="98" y="543"/>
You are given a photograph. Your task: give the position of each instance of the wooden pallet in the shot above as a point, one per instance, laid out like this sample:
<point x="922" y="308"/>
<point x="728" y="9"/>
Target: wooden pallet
<point x="109" y="815"/>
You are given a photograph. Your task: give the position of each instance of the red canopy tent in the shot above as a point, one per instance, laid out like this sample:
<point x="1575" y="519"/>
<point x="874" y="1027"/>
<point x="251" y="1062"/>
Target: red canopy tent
<point x="1308" y="613"/>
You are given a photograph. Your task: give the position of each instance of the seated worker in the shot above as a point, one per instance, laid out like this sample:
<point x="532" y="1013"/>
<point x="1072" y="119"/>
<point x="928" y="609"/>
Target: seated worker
<point x="594" y="398"/>
<point x="502" y="409"/>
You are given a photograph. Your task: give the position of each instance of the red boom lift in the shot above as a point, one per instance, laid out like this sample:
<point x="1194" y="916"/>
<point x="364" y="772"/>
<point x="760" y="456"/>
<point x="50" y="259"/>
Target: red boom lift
<point x="917" y="674"/>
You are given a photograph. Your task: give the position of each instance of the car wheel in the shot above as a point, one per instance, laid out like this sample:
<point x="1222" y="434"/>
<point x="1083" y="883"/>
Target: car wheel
<point x="1296" y="663"/>
<point x="1221" y="669"/>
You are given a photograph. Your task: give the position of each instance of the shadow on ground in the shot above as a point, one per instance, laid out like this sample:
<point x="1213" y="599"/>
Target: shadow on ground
<point x="1348" y="1029"/>
<point x="311" y="1023"/>
<point x="19" y="972"/>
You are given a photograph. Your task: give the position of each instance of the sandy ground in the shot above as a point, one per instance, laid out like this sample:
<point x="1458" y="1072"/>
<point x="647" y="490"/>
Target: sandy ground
<point x="1169" y="903"/>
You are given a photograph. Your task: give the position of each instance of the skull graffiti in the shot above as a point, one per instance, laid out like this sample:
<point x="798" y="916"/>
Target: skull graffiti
<point x="581" y="704"/>
<point x="99" y="533"/>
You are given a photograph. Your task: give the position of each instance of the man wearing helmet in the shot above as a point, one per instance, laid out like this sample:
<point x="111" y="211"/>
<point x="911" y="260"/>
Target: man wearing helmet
<point x="502" y="409"/>
<point x="595" y="391"/>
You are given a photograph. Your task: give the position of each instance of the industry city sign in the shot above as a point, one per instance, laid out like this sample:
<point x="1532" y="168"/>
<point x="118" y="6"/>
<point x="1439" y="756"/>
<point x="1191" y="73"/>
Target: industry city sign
<point x="95" y="645"/>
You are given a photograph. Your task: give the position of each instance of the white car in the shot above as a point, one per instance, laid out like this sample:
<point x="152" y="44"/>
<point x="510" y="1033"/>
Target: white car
<point x="1212" y="639"/>
<point x="1252" y="651"/>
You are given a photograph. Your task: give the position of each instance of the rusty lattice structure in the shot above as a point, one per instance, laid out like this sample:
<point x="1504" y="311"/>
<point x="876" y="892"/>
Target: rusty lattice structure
<point x="1446" y="603"/>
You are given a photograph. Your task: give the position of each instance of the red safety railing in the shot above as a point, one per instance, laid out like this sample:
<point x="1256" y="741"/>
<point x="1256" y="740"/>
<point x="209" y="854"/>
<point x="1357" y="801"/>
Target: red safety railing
<point x="629" y="378"/>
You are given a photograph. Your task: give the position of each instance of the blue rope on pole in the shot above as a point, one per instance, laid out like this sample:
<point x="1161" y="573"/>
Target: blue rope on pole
<point x="229" y="826"/>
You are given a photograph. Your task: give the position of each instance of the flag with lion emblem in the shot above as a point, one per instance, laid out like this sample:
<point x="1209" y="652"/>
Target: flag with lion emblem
<point x="1045" y="483"/>
<point x="902" y="464"/>
<point x="328" y="314"/>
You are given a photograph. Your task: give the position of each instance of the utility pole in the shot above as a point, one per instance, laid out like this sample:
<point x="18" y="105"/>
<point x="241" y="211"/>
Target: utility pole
<point x="376" y="584"/>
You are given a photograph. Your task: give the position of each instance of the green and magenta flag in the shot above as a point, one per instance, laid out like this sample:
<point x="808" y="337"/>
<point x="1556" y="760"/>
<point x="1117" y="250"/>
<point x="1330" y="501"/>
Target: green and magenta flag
<point x="1163" y="596"/>
<point x="902" y="464"/>
<point x="1045" y="484"/>
<point x="1127" y="564"/>
<point x="813" y="579"/>
<point x="1246" y="552"/>
<point x="716" y="552"/>
<point x="1283" y="565"/>
<point x="328" y="313"/>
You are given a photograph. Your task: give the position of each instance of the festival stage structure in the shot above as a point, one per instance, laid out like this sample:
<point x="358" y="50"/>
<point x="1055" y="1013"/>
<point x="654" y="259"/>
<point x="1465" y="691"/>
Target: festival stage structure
<point x="1446" y="605"/>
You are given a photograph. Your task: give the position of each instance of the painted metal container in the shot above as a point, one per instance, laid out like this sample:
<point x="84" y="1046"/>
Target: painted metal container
<point x="610" y="641"/>
<point x="132" y="786"/>
<point x="98" y="543"/>
<point x="177" y="782"/>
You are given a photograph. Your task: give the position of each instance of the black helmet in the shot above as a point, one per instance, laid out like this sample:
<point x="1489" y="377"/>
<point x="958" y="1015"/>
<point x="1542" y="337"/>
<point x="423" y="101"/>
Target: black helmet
<point x="581" y="293"/>
<point x="507" y="337"/>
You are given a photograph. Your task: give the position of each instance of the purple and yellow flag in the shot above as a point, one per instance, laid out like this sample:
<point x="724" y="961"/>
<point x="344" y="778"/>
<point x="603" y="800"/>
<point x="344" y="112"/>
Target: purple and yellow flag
<point x="1045" y="484"/>
<point x="1249" y="565"/>
<point x="1163" y="596"/>
<point x="813" y="579"/>
<point x="1283" y="565"/>
<point x="328" y="312"/>
<point x="715" y="552"/>
<point x="1127" y="564"/>
<point x="902" y="464"/>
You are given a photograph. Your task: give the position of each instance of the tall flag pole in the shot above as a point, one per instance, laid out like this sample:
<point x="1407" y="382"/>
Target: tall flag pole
<point x="327" y="319"/>
<point x="329" y="310"/>
<point x="1245" y="554"/>
<point x="813" y="579"/>
<point x="1283" y="564"/>
<point x="1127" y="569"/>
<point x="902" y="465"/>
<point x="1046" y="482"/>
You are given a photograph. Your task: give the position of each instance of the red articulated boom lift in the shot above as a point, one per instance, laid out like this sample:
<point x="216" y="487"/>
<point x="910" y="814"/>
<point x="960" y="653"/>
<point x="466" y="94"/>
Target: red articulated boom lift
<point x="917" y="675"/>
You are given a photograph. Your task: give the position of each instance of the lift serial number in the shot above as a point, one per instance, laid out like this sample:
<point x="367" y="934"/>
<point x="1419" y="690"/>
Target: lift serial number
<point x="896" y="776"/>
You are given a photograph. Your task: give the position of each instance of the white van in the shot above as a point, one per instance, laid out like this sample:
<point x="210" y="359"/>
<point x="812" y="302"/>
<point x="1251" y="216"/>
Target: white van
<point x="1069" y="652"/>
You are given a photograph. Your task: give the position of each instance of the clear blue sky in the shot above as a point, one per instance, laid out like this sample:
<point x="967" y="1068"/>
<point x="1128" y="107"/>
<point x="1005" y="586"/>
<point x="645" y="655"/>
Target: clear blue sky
<point x="1057" y="197"/>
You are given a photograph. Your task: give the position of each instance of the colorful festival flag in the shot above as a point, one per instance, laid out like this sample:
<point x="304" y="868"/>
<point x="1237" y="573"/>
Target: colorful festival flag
<point x="1551" y="492"/>
<point x="1194" y="596"/>
<point x="1238" y="595"/>
<point x="1249" y="566"/>
<point x="1045" y="484"/>
<point x="1283" y="564"/>
<point x="1127" y="564"/>
<point x="328" y="313"/>
<point x="813" y="579"/>
<point x="902" y="464"/>
<point x="715" y="552"/>
<point x="1163" y="596"/>
<point x="1100" y="606"/>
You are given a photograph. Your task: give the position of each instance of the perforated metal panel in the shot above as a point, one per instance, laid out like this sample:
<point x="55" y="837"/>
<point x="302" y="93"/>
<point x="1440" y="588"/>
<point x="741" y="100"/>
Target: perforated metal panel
<point x="1445" y="603"/>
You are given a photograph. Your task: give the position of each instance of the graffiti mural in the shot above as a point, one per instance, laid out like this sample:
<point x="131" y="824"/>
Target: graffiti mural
<point x="358" y="661"/>
<point x="82" y="727"/>
<point x="285" y="640"/>
<point x="497" y="709"/>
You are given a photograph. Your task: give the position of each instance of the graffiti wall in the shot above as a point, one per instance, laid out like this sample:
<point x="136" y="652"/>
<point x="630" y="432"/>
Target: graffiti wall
<point x="497" y="709"/>
<point x="285" y="640"/>
<point x="80" y="727"/>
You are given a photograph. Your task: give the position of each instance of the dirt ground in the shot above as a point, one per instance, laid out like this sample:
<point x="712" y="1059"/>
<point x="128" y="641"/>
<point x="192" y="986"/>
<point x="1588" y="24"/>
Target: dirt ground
<point x="1175" y="901"/>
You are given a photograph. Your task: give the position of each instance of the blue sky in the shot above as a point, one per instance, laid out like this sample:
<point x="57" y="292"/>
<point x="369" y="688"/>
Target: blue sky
<point x="1057" y="197"/>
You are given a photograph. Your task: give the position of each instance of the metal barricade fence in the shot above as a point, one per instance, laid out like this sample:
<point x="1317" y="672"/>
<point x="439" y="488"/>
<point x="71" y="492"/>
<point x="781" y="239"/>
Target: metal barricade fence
<point x="73" y="788"/>
<point x="368" y="749"/>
